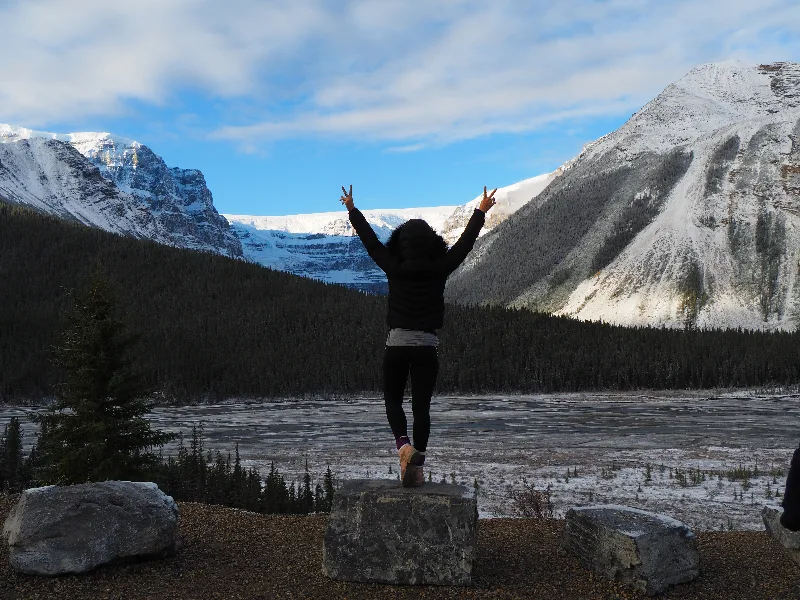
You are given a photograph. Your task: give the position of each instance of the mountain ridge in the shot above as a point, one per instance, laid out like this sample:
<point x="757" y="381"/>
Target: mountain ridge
<point x="324" y="246"/>
<point x="169" y="205"/>
<point x="687" y="215"/>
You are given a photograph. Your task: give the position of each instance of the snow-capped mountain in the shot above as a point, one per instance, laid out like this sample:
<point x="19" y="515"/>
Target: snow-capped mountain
<point x="324" y="245"/>
<point x="113" y="183"/>
<point x="509" y="200"/>
<point x="689" y="214"/>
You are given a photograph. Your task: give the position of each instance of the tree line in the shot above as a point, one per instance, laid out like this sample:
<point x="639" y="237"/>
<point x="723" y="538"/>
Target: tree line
<point x="97" y="430"/>
<point x="193" y="475"/>
<point x="207" y="326"/>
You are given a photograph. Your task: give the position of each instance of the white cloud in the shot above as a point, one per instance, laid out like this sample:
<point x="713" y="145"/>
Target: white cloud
<point x="412" y="73"/>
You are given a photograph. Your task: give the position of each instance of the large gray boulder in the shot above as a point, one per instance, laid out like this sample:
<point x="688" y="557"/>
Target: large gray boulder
<point x="645" y="550"/>
<point x="381" y="532"/>
<point x="790" y="540"/>
<point x="57" y="530"/>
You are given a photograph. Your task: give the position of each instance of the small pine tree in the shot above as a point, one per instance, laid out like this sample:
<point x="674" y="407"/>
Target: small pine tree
<point x="291" y="500"/>
<point x="319" y="499"/>
<point x="96" y="430"/>
<point x="11" y="461"/>
<point x="306" y="496"/>
<point x="327" y="484"/>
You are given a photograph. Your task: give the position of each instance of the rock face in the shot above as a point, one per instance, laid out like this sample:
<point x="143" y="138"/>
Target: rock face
<point x="790" y="540"/>
<point x="381" y="532"/>
<point x="73" y="529"/>
<point x="648" y="551"/>
<point x="114" y="183"/>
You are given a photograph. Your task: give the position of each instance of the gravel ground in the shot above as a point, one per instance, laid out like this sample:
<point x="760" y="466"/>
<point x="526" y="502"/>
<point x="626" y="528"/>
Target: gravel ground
<point x="234" y="554"/>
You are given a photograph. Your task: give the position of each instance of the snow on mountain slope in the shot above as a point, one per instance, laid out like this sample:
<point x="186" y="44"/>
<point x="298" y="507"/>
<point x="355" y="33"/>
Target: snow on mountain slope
<point x="383" y="221"/>
<point x="53" y="177"/>
<point x="54" y="172"/>
<point x="509" y="199"/>
<point x="324" y="245"/>
<point x="689" y="214"/>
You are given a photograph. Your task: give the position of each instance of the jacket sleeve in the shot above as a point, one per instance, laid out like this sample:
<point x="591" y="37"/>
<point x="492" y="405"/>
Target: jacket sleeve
<point x="376" y="250"/>
<point x="456" y="255"/>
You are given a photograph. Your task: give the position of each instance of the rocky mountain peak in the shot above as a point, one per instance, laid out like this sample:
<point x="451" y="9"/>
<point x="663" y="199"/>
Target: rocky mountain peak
<point x="687" y="215"/>
<point x="178" y="199"/>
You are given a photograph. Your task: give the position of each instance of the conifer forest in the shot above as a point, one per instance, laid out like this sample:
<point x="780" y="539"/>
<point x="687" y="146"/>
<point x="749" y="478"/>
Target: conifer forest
<point x="209" y="327"/>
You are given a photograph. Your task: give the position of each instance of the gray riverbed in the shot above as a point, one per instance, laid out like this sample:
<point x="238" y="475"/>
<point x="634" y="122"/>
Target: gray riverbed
<point x="496" y="441"/>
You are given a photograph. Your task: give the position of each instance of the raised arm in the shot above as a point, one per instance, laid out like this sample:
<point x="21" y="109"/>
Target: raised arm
<point x="376" y="250"/>
<point x="456" y="255"/>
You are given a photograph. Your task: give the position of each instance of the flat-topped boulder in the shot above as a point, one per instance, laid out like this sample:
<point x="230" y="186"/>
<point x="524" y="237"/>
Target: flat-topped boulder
<point x="379" y="531"/>
<point x="646" y="550"/>
<point x="57" y="530"/>
<point x="789" y="540"/>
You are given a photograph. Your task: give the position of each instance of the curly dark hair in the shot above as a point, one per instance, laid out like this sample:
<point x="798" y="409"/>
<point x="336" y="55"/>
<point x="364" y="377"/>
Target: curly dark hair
<point x="424" y="236"/>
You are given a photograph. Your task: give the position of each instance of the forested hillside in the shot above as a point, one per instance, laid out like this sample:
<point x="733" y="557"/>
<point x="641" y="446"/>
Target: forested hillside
<point x="211" y="326"/>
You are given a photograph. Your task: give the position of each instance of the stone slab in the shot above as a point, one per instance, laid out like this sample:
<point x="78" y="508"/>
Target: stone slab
<point x="379" y="531"/>
<point x="57" y="530"/>
<point x="789" y="540"/>
<point x="648" y="551"/>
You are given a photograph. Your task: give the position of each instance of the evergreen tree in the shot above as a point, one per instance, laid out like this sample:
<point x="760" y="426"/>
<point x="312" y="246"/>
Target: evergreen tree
<point x="96" y="429"/>
<point x="327" y="484"/>
<point x="11" y="461"/>
<point x="291" y="500"/>
<point x="237" y="481"/>
<point x="306" y="499"/>
<point x="319" y="499"/>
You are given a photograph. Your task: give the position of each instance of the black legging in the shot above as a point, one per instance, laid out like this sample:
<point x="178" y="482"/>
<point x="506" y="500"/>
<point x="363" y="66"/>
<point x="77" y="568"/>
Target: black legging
<point x="423" y="362"/>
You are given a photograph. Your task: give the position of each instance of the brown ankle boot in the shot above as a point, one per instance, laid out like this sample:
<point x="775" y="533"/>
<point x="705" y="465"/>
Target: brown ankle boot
<point x="409" y="457"/>
<point x="419" y="476"/>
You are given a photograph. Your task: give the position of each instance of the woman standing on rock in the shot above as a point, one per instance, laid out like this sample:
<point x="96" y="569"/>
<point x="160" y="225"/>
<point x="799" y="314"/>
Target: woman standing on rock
<point x="417" y="263"/>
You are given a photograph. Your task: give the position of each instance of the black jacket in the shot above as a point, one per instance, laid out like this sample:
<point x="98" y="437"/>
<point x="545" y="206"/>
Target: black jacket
<point x="416" y="281"/>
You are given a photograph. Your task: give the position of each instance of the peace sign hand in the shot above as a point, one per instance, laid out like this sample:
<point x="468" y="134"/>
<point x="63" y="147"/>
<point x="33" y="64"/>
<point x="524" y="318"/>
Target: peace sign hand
<point x="487" y="202"/>
<point x="347" y="198"/>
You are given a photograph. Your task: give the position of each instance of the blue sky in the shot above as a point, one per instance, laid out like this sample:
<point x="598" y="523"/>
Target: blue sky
<point x="414" y="102"/>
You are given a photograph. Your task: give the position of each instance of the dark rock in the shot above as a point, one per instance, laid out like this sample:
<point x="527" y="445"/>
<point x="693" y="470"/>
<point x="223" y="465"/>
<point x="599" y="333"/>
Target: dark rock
<point x="790" y="540"/>
<point x="381" y="532"/>
<point x="57" y="530"/>
<point x="645" y="550"/>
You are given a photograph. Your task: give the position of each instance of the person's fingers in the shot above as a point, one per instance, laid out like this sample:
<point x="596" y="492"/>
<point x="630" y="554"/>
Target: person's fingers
<point x="484" y="191"/>
<point x="344" y="191"/>
<point x="351" y="191"/>
<point x="492" y="194"/>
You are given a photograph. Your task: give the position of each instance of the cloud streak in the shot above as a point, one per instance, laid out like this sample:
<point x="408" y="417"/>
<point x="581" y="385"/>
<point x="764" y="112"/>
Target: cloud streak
<point x="408" y="74"/>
